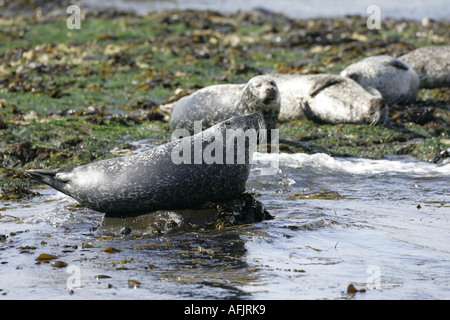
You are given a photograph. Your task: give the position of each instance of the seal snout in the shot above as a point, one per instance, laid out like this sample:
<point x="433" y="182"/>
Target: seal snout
<point x="269" y="92"/>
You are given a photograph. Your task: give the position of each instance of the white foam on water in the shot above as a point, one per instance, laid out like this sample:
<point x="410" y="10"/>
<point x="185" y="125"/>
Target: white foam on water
<point x="392" y="166"/>
<point x="54" y="211"/>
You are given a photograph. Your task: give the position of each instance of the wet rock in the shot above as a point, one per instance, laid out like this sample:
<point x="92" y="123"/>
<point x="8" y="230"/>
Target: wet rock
<point x="121" y="152"/>
<point x="59" y="264"/>
<point x="351" y="289"/>
<point x="25" y="152"/>
<point x="111" y="250"/>
<point x="45" y="258"/>
<point x="3" y="125"/>
<point x="134" y="284"/>
<point x="242" y="210"/>
<point x="442" y="157"/>
<point x="16" y="191"/>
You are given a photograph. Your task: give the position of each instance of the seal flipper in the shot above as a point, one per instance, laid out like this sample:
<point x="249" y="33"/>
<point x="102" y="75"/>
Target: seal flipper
<point x="398" y="64"/>
<point x="52" y="177"/>
<point x="323" y="83"/>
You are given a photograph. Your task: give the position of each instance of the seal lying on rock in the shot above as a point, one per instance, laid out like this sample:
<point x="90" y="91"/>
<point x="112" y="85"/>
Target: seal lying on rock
<point x="242" y="209"/>
<point x="176" y="175"/>
<point x="216" y="103"/>
<point x="432" y="64"/>
<point x="328" y="98"/>
<point x="397" y="81"/>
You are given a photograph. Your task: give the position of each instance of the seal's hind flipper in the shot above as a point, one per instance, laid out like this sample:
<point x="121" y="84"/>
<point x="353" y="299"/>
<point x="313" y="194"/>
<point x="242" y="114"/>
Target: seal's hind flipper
<point x="324" y="83"/>
<point x="50" y="177"/>
<point x="398" y="64"/>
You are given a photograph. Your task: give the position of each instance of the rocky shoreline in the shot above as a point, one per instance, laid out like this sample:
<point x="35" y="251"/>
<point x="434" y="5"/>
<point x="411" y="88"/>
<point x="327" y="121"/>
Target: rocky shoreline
<point x="69" y="97"/>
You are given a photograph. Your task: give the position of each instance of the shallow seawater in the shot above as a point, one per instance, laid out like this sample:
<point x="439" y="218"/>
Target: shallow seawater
<point x="381" y="225"/>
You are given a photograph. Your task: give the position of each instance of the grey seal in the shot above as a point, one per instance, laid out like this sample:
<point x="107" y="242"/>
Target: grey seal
<point x="397" y="81"/>
<point x="432" y="64"/>
<point x="216" y="103"/>
<point x="329" y="98"/>
<point x="156" y="179"/>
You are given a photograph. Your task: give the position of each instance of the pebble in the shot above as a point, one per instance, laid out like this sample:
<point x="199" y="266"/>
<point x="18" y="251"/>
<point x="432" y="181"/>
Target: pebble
<point x="133" y="284"/>
<point x="59" y="264"/>
<point x="44" y="257"/>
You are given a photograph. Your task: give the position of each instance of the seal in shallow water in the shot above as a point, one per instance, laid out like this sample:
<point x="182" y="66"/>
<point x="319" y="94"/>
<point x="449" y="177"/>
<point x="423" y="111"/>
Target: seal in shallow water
<point x="216" y="103"/>
<point x="152" y="180"/>
<point x="328" y="98"/>
<point x="397" y="81"/>
<point x="432" y="64"/>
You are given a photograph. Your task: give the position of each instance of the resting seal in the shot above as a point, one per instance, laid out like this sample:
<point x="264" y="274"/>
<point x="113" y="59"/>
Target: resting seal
<point x="216" y="103"/>
<point x="151" y="180"/>
<point x="397" y="81"/>
<point x="328" y="98"/>
<point x="432" y="64"/>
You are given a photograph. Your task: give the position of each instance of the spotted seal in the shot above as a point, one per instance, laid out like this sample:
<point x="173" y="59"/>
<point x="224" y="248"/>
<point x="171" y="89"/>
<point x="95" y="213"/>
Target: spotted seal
<point x="397" y="81"/>
<point x="432" y="64"/>
<point x="216" y="103"/>
<point x="328" y="98"/>
<point x="167" y="177"/>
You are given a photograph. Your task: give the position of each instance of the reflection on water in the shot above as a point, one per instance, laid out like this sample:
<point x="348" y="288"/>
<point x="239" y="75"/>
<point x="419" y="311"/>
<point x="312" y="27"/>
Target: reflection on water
<point x="380" y="225"/>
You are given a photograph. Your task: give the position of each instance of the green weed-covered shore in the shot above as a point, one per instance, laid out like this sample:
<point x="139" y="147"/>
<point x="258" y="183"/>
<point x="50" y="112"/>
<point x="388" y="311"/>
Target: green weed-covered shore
<point x="71" y="96"/>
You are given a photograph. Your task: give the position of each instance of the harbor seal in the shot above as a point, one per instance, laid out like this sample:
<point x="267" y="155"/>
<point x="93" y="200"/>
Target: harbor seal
<point x="397" y="81"/>
<point x="167" y="177"/>
<point x="216" y="103"/>
<point x="432" y="64"/>
<point x="328" y="98"/>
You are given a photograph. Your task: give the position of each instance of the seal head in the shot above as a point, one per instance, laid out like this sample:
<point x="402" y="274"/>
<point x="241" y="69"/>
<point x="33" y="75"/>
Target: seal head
<point x="216" y="103"/>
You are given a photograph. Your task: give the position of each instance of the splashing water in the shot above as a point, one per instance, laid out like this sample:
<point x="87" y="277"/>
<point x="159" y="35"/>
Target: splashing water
<point x="381" y="225"/>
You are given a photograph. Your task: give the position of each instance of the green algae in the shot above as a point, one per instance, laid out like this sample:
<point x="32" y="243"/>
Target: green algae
<point x="69" y="97"/>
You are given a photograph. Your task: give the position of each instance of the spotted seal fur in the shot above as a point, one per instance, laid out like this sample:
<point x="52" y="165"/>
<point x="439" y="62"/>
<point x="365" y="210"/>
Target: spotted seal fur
<point x="397" y="81"/>
<point x="152" y="180"/>
<point x="216" y="103"/>
<point x="432" y="64"/>
<point x="328" y="98"/>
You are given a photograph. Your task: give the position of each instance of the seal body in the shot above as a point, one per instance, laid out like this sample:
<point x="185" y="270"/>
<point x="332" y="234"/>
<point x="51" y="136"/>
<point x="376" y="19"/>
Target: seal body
<point x="328" y="98"/>
<point x="216" y="103"/>
<point x="432" y="64"/>
<point x="157" y="179"/>
<point x="397" y="81"/>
